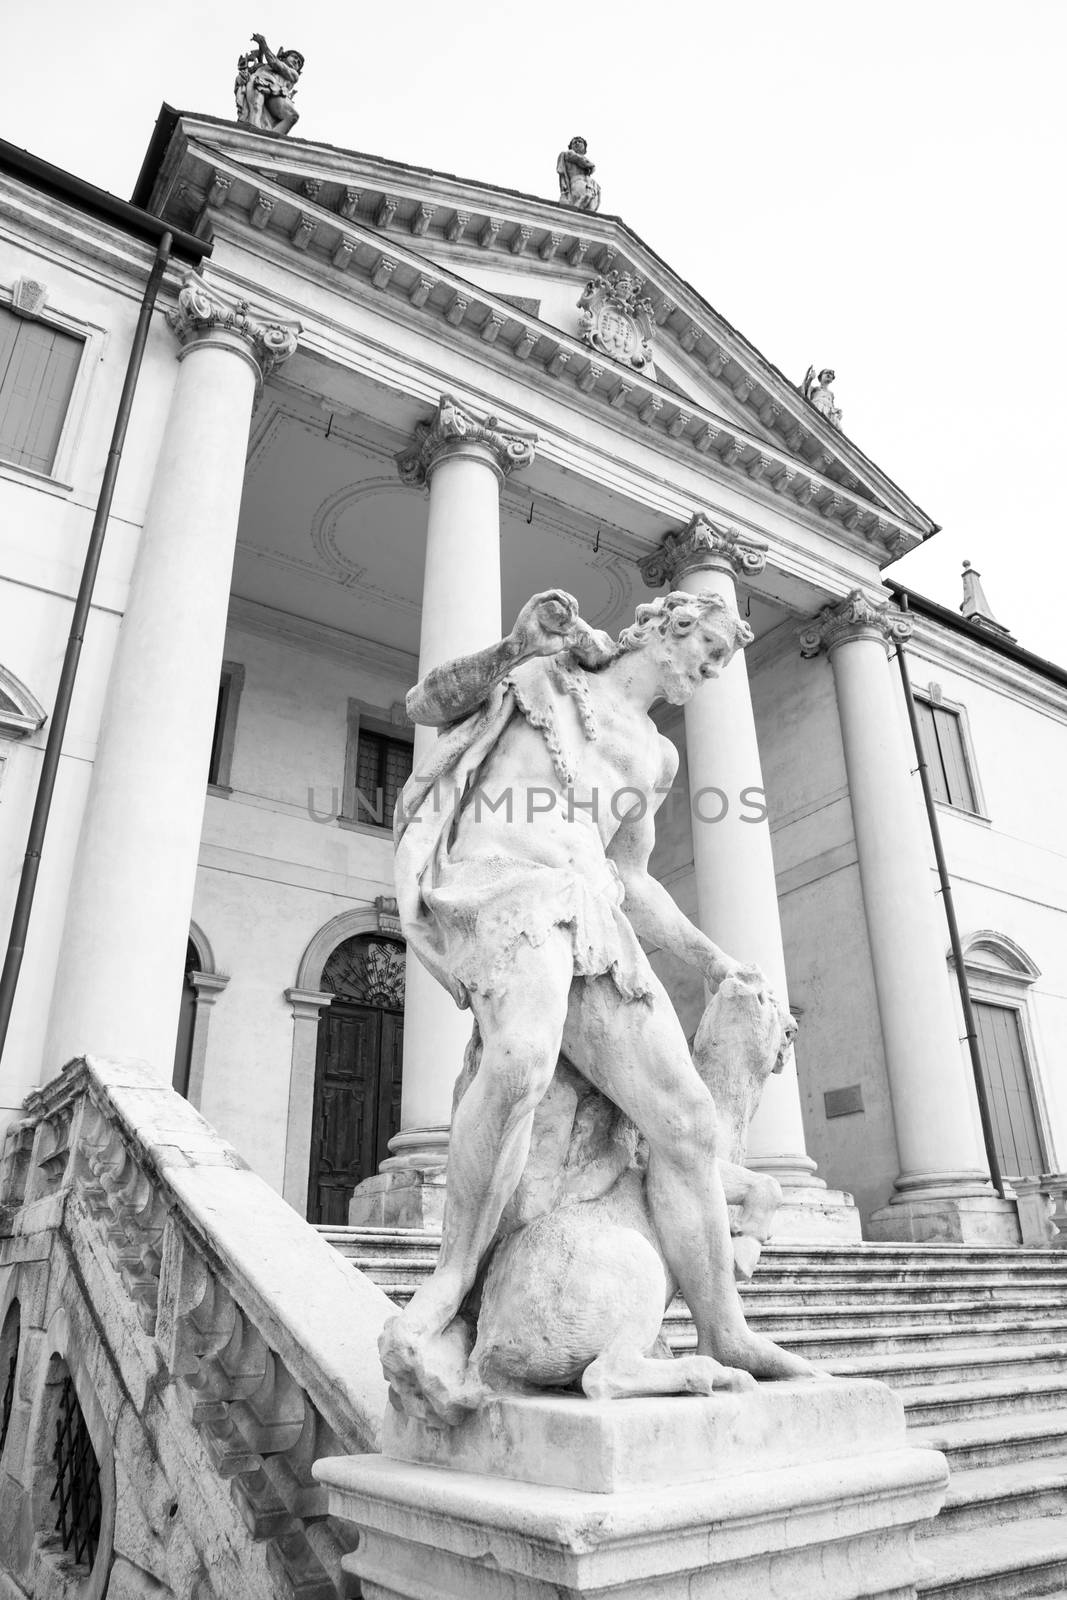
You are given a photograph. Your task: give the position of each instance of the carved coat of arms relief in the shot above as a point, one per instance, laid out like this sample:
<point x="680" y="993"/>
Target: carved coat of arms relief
<point x="616" y="320"/>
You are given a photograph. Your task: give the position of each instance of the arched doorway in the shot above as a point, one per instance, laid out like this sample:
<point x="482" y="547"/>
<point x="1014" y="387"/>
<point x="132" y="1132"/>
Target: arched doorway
<point x="356" y="1107"/>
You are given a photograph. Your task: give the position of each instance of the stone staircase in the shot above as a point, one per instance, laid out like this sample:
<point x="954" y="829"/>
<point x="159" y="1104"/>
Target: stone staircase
<point x="973" y="1339"/>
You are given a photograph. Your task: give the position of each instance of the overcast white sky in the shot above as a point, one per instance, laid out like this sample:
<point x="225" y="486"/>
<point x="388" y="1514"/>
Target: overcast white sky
<point x="877" y="187"/>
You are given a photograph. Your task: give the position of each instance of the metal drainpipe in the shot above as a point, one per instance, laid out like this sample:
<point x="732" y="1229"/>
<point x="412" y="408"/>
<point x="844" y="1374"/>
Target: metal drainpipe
<point x="950" y="917"/>
<point x="46" y="783"/>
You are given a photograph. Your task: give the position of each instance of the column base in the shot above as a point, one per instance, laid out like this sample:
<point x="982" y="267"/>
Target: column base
<point x="946" y="1219"/>
<point x="796" y="1488"/>
<point x="816" y="1216"/>
<point x="409" y="1197"/>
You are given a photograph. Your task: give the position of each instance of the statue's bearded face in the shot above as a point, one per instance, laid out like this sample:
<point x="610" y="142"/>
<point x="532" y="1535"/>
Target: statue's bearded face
<point x="689" y="659"/>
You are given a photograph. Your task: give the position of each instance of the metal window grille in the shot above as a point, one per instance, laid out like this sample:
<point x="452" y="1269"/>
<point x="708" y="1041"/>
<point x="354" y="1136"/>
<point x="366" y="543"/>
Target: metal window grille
<point x="383" y="766"/>
<point x="9" y="1391"/>
<point x="76" y="1494"/>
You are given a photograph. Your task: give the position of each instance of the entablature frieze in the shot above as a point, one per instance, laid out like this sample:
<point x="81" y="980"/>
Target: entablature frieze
<point x="354" y="234"/>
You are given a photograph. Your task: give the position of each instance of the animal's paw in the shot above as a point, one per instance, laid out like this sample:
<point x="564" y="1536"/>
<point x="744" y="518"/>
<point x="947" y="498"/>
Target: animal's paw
<point x="428" y="1373"/>
<point x="703" y="1375"/>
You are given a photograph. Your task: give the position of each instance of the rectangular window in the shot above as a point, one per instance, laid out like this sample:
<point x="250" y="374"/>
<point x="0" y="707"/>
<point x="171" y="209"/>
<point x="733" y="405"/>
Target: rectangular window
<point x="383" y="766"/>
<point x="941" y="734"/>
<point x="38" y="365"/>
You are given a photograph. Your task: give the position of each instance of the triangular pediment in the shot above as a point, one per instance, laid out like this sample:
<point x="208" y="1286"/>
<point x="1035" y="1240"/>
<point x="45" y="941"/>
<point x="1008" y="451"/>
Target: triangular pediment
<point x="509" y="269"/>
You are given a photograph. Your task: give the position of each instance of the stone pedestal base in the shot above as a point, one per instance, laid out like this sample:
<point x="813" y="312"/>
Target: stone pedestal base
<point x="405" y="1197"/>
<point x="970" y="1219"/>
<point x="796" y="1488"/>
<point x="816" y="1216"/>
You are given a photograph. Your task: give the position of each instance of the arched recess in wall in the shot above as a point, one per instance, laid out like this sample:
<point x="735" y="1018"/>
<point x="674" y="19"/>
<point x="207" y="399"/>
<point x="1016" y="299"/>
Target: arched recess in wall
<point x="71" y="1438"/>
<point x="309" y="999"/>
<point x="21" y="712"/>
<point x="202" y="983"/>
<point x="1000" y="976"/>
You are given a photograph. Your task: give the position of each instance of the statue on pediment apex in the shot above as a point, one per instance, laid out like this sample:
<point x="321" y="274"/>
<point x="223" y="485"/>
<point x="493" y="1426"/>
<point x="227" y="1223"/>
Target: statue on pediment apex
<point x="617" y="320"/>
<point x="265" y="86"/>
<point x="817" y="390"/>
<point x="577" y="186"/>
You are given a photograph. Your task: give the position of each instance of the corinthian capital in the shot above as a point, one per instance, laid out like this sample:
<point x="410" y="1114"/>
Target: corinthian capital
<point x="698" y="546"/>
<point x="453" y="430"/>
<point x="203" y="316"/>
<point x="855" y="617"/>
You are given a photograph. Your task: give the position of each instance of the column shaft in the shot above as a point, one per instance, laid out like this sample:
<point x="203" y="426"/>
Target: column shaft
<point x="737" y="898"/>
<point x="942" y="1191"/>
<point x="931" y="1101"/>
<point x="118" y="985"/>
<point x="460" y="614"/>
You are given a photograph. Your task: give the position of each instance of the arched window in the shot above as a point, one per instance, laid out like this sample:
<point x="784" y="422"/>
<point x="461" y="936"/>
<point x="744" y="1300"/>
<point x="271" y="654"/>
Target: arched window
<point x="357" y="1071"/>
<point x="183" y="1047"/>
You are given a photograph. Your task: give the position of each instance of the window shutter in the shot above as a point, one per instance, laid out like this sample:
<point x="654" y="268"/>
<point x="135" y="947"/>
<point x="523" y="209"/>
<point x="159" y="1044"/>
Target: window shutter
<point x="950" y="743"/>
<point x="931" y="751"/>
<point x="38" y="365"/>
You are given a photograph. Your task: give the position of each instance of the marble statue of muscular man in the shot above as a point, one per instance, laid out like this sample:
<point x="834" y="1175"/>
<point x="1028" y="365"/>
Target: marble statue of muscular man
<point x="526" y="898"/>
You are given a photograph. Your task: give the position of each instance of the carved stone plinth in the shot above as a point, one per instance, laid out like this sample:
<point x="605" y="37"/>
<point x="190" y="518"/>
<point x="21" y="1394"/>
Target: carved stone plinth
<point x="796" y="1488"/>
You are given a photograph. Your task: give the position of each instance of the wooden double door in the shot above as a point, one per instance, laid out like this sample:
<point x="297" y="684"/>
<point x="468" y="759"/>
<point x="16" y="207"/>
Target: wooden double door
<point x="357" y="1102"/>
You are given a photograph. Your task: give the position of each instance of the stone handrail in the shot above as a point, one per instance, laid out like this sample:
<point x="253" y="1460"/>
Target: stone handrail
<point x="267" y="1334"/>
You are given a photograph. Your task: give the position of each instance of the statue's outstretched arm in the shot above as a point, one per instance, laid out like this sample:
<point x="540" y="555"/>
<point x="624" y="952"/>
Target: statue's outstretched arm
<point x="546" y="625"/>
<point x="651" y="910"/>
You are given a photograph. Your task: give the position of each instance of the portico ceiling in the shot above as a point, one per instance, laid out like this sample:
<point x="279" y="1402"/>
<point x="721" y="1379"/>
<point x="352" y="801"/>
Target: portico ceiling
<point x="328" y="533"/>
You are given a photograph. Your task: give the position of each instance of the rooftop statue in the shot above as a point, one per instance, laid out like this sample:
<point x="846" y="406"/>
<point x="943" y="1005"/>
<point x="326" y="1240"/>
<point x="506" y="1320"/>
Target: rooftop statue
<point x="265" y="86"/>
<point x="582" y="1179"/>
<point x="818" y="391"/>
<point x="577" y="186"/>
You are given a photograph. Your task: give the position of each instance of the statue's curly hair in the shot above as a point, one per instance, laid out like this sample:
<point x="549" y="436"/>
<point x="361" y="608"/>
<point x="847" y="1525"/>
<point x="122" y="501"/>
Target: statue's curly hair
<point x="680" y="613"/>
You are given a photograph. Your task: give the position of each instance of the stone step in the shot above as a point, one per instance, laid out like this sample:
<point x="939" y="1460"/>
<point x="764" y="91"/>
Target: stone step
<point x="875" y="1339"/>
<point x="409" y="1268"/>
<point x="959" y="1364"/>
<point x="905" y="1258"/>
<point x="996" y="1441"/>
<point x="984" y="1497"/>
<point x="968" y="1400"/>
<point x="1014" y="1561"/>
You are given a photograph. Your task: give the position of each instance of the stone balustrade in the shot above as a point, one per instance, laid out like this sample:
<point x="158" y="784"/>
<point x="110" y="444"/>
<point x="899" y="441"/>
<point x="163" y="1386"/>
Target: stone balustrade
<point x="217" y="1346"/>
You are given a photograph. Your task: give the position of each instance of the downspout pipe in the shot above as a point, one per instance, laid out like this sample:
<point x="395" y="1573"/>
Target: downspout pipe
<point x="46" y="783"/>
<point x="950" y="917"/>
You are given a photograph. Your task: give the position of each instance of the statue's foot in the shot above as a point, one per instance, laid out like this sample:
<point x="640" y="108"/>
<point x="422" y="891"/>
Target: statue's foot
<point x="429" y="1373"/>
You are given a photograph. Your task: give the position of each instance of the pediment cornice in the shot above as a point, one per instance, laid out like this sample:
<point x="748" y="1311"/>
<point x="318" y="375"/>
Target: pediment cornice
<point x="345" y="212"/>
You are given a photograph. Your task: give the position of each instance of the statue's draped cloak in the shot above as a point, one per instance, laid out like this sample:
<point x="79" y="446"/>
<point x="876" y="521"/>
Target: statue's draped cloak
<point x="464" y="918"/>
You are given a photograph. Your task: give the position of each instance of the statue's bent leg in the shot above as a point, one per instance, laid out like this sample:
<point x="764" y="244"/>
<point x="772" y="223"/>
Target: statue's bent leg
<point x="521" y="1025"/>
<point x="636" y="1053"/>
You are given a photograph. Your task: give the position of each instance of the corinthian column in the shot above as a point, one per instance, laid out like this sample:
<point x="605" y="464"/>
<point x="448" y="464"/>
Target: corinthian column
<point x="462" y="459"/>
<point x="737" y="898"/>
<point x="118" y="985"/>
<point x="942" y="1190"/>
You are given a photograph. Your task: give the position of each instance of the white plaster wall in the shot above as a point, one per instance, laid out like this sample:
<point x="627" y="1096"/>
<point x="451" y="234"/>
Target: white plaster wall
<point x="1010" y="871"/>
<point x="95" y="281"/>
<point x="270" y="876"/>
